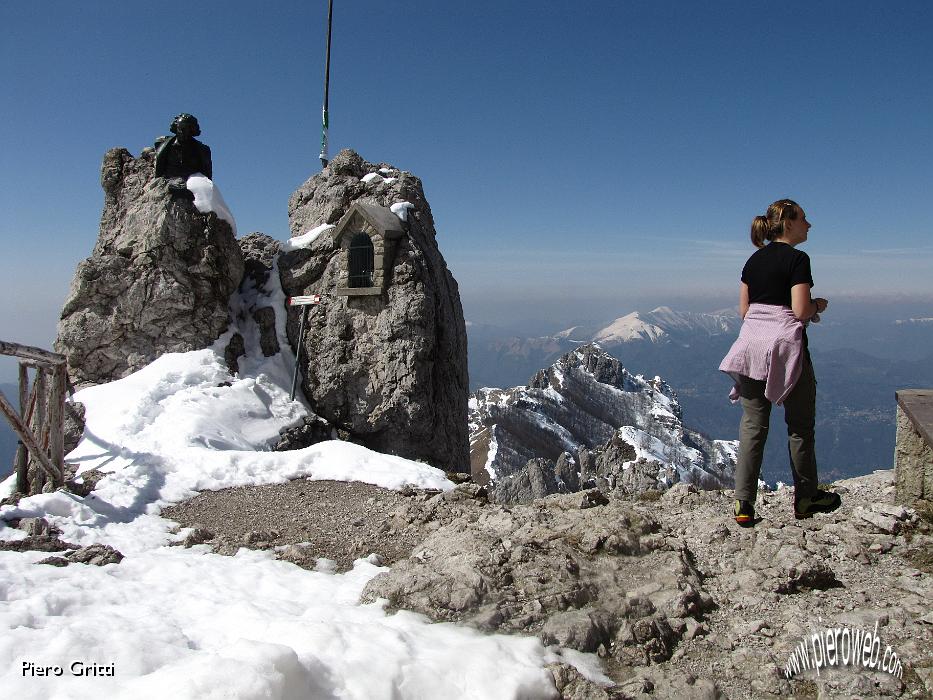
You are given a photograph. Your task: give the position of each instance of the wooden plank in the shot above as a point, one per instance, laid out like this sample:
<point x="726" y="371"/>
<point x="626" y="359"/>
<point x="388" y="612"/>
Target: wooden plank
<point x="40" y="425"/>
<point x="56" y="423"/>
<point x="35" y="364"/>
<point x="25" y="434"/>
<point x="23" y="387"/>
<point x="29" y="352"/>
<point x="917" y="405"/>
<point x="22" y="453"/>
<point x="20" y="463"/>
<point x="30" y="406"/>
<point x="39" y="415"/>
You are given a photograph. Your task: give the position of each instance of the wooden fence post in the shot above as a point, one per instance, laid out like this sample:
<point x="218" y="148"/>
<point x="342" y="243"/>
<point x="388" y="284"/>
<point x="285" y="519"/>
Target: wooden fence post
<point x="27" y="436"/>
<point x="36" y="482"/>
<point x="56" y="424"/>
<point x="20" y="462"/>
<point x="41" y="418"/>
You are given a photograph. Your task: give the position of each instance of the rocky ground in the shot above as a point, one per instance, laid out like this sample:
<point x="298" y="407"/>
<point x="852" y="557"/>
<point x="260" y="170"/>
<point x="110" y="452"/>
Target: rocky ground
<point x="677" y="599"/>
<point x="337" y="520"/>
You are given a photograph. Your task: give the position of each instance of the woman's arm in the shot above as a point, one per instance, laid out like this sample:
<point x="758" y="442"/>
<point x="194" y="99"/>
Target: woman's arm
<point x="743" y="300"/>
<point x="804" y="307"/>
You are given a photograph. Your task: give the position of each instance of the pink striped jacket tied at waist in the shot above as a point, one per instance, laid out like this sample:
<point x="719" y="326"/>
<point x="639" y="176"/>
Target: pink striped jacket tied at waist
<point x="769" y="348"/>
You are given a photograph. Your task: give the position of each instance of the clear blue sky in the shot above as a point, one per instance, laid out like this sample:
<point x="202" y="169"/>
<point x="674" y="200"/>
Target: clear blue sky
<point x="582" y="159"/>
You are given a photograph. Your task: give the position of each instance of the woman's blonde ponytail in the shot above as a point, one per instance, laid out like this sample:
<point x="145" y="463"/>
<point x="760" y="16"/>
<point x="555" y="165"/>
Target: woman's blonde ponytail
<point x="771" y="225"/>
<point x="760" y="230"/>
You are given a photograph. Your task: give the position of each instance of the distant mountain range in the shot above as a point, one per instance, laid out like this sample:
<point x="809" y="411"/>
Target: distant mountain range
<point x="855" y="398"/>
<point x="859" y="365"/>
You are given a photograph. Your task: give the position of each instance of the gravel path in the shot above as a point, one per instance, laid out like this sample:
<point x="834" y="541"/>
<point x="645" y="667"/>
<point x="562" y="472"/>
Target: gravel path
<point x="341" y="521"/>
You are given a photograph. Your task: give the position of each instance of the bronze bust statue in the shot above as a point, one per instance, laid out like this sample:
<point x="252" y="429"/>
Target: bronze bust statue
<point x="180" y="156"/>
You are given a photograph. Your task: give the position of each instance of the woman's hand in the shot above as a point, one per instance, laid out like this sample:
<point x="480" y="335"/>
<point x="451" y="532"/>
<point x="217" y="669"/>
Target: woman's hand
<point x="804" y="307"/>
<point x="820" y="303"/>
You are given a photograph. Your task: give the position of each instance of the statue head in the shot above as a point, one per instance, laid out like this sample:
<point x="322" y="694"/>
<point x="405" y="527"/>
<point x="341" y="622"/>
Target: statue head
<point x="185" y="126"/>
<point x="181" y="156"/>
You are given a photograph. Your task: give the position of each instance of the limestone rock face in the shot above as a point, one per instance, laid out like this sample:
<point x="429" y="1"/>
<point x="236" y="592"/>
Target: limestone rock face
<point x="389" y="369"/>
<point x="590" y="578"/>
<point x="158" y="280"/>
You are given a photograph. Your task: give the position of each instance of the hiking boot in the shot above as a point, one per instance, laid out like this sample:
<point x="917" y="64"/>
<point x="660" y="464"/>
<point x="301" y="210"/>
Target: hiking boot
<point x="744" y="513"/>
<point x="819" y="502"/>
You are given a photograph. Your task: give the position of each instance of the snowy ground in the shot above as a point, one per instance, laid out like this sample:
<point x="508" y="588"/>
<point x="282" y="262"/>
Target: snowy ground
<point x="186" y="623"/>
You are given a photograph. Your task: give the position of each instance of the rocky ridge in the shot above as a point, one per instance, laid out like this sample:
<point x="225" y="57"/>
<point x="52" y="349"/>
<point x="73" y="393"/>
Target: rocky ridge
<point x="587" y="421"/>
<point x="158" y="280"/>
<point x="677" y="599"/>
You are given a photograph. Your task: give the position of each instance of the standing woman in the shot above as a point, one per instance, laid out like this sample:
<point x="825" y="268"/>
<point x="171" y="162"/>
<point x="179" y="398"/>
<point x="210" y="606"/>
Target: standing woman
<point x="770" y="362"/>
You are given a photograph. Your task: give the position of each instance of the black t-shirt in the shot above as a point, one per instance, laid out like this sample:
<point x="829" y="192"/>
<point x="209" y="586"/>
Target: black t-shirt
<point x="771" y="272"/>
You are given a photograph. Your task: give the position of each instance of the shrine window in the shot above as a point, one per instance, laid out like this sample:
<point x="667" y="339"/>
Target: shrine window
<point x="362" y="261"/>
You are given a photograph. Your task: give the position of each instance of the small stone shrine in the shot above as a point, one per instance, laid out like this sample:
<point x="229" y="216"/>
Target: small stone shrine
<point x="384" y="356"/>
<point x="367" y="238"/>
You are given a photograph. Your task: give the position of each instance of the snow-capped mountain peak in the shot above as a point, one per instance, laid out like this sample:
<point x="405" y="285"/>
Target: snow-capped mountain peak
<point x="666" y="324"/>
<point x="629" y="327"/>
<point x="581" y="402"/>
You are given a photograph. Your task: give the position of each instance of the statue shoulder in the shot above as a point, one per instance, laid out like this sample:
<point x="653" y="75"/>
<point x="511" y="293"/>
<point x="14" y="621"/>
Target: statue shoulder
<point x="203" y="147"/>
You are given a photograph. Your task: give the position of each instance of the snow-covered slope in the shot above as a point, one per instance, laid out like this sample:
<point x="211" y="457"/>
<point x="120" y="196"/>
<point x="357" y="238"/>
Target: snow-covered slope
<point x="169" y="622"/>
<point x="582" y="401"/>
<point x="664" y="323"/>
<point x="626" y="328"/>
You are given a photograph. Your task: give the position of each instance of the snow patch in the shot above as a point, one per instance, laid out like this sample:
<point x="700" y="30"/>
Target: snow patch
<point x="305" y="239"/>
<point x="491" y="454"/>
<point x="376" y="178"/>
<point x="207" y="198"/>
<point x="559" y="376"/>
<point x="401" y="209"/>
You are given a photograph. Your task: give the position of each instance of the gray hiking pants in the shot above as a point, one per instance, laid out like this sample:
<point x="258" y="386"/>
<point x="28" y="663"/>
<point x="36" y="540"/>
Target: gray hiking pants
<point x="800" y="416"/>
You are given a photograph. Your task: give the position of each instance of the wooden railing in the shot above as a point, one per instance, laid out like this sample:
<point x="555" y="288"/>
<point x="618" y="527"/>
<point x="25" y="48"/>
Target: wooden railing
<point x="40" y="423"/>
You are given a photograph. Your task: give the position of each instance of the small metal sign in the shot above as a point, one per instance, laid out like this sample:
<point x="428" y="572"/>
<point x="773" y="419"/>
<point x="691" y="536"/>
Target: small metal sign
<point x="304" y="300"/>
